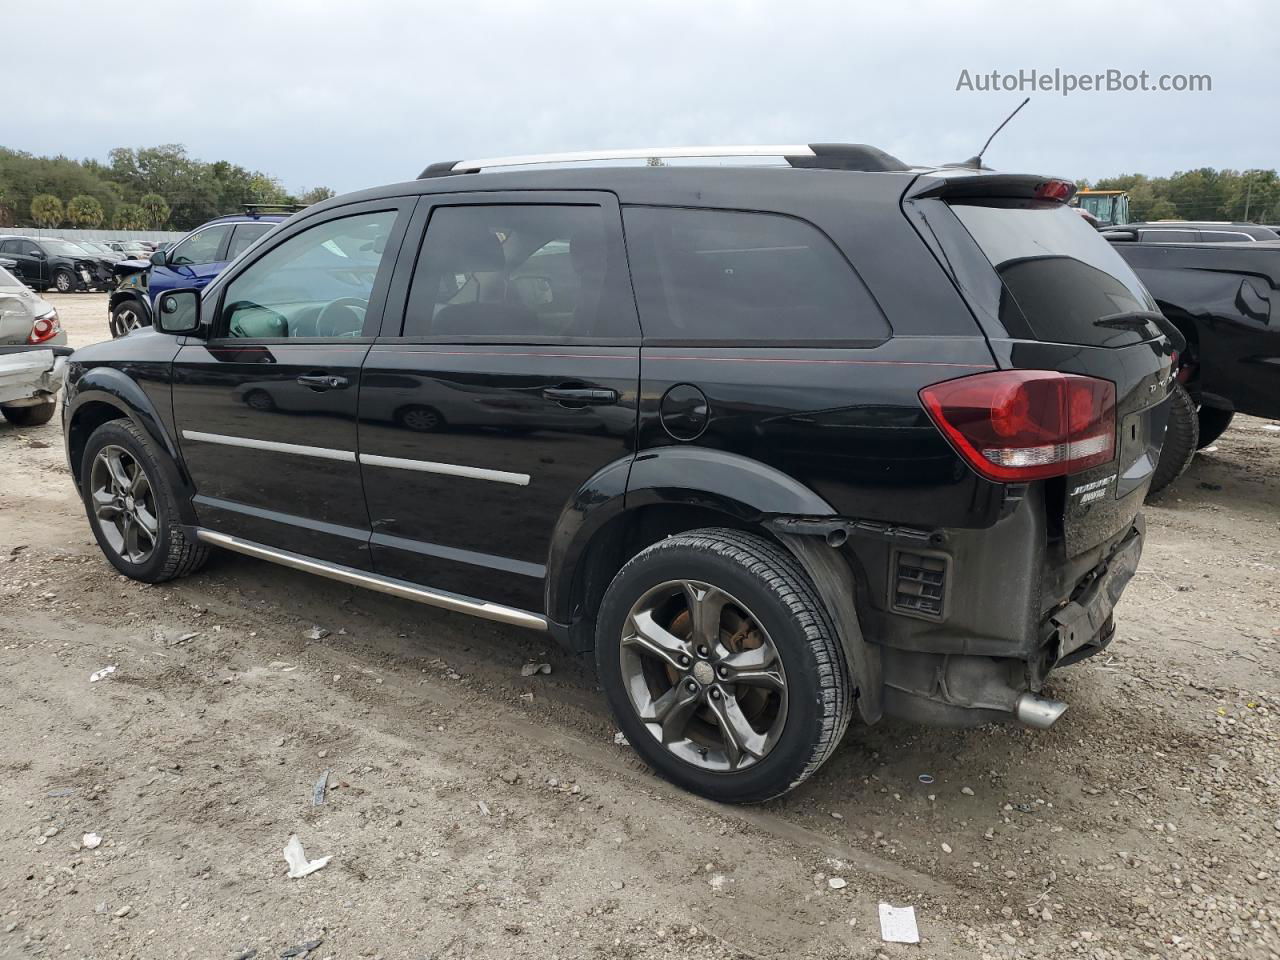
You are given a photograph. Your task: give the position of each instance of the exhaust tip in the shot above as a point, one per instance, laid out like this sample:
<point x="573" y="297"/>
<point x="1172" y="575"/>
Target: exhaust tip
<point x="1039" y="712"/>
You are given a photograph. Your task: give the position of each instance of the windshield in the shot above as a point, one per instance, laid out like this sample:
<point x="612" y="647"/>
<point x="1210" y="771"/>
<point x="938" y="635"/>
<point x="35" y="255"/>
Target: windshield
<point x="95" y="247"/>
<point x="1060" y="276"/>
<point x="64" y="248"/>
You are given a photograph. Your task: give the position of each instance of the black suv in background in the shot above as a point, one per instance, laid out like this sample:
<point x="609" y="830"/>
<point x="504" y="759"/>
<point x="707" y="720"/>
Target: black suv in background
<point x="1189" y="231"/>
<point x="779" y="444"/>
<point x="44" y="263"/>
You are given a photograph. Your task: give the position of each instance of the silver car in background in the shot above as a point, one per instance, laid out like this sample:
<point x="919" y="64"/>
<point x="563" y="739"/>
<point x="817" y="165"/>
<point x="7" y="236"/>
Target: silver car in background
<point x="33" y="352"/>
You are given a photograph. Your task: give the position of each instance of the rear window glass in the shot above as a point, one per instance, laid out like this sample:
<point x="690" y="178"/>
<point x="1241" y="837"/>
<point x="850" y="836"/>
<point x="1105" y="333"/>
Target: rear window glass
<point x="717" y="275"/>
<point x="1063" y="283"/>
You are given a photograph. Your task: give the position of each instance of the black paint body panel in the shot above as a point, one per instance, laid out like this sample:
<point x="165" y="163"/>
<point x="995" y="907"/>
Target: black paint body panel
<point x="1226" y="300"/>
<point x="752" y="432"/>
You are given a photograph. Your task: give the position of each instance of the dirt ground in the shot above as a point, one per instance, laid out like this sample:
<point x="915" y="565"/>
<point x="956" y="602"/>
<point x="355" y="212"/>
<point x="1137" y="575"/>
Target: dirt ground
<point x="474" y="813"/>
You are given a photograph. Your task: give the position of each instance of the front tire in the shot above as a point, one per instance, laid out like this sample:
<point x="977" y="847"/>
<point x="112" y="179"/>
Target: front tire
<point x="64" y="281"/>
<point x="133" y="507"/>
<point x="33" y="416"/>
<point x="722" y="666"/>
<point x="1181" y="438"/>
<point x="126" y="316"/>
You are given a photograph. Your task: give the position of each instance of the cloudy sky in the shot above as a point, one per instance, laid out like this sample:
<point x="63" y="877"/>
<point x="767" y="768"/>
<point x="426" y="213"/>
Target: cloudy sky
<point x="351" y="94"/>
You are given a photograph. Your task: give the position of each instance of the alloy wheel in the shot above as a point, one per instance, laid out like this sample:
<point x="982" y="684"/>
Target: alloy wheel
<point x="703" y="676"/>
<point x="422" y="419"/>
<point x="130" y="319"/>
<point x="124" y="504"/>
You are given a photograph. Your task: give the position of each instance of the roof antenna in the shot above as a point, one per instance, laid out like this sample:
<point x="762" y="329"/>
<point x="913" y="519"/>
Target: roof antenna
<point x="976" y="161"/>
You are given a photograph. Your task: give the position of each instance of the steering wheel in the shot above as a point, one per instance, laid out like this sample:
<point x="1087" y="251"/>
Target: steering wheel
<point x="335" y="319"/>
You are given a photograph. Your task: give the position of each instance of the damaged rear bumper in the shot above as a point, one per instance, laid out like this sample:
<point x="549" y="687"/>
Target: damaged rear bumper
<point x="962" y="689"/>
<point x="31" y="374"/>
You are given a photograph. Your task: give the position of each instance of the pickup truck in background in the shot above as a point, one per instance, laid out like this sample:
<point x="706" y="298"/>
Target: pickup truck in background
<point x="1225" y="299"/>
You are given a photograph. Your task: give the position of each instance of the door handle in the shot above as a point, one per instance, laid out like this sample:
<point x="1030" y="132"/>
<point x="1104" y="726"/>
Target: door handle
<point x="581" y="396"/>
<point x="323" y="381"/>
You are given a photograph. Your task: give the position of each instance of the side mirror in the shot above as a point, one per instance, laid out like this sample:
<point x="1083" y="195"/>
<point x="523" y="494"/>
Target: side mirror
<point x="40" y="255"/>
<point x="158" y="259"/>
<point x="178" y="311"/>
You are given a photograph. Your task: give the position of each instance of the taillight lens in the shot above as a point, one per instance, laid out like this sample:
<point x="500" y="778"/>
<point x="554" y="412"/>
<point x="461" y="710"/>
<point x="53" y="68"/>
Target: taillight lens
<point x="45" y="327"/>
<point x="1060" y="190"/>
<point x="1014" y="425"/>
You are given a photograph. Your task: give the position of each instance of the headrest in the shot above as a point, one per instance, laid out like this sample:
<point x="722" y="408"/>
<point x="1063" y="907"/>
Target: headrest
<point x="473" y="248"/>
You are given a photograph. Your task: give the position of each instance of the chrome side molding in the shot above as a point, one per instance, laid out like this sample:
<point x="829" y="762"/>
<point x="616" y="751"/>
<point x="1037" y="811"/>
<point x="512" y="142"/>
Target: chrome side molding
<point x="372" y="581"/>
<point x="447" y="469"/>
<point x="275" y="446"/>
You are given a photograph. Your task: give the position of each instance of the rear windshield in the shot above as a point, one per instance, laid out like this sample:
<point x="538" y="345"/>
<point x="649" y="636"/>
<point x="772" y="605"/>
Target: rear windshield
<point x="1062" y="281"/>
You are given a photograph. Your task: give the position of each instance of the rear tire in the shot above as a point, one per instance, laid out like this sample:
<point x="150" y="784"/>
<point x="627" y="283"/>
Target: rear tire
<point x="746" y="693"/>
<point x="1181" y="438"/>
<point x="1213" y="423"/>
<point x="33" y="416"/>
<point x="125" y="486"/>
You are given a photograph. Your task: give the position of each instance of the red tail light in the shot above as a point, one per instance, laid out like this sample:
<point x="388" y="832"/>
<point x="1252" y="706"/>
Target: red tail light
<point x="46" y="327"/>
<point x="1060" y="190"/>
<point x="1015" y="425"/>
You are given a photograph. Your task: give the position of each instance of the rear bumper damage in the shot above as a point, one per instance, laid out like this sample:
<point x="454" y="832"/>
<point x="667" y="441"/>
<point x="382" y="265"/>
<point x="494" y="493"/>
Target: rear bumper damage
<point x="31" y="375"/>
<point x="960" y="689"/>
<point x="962" y="627"/>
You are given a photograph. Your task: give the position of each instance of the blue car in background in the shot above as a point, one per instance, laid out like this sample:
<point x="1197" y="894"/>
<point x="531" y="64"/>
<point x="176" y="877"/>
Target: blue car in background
<point x="191" y="262"/>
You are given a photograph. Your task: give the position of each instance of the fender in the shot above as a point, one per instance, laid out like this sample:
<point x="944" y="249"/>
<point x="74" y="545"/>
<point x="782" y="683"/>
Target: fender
<point x="112" y="386"/>
<point x="700" y="477"/>
<point x="685" y="475"/>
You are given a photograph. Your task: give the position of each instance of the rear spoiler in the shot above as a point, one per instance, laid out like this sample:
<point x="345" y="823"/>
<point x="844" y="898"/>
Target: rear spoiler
<point x="943" y="185"/>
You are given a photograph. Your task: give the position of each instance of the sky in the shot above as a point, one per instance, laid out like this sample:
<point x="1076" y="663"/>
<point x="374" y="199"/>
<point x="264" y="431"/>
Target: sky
<point x="354" y="94"/>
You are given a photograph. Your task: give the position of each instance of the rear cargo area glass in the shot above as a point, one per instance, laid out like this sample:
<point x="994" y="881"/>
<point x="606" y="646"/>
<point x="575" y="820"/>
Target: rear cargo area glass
<point x="1060" y="277"/>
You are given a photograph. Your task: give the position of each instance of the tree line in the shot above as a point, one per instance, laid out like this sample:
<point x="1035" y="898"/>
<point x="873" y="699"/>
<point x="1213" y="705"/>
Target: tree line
<point x="164" y="188"/>
<point x="1203" y="194"/>
<point x="150" y="188"/>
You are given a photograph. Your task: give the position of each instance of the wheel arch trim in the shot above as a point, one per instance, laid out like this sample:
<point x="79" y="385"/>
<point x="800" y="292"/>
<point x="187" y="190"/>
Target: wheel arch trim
<point x="694" y="476"/>
<point x="105" y="385"/>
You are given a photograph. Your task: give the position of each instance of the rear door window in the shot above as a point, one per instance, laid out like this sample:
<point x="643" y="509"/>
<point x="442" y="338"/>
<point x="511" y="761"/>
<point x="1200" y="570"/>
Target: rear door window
<point x="522" y="272"/>
<point x="244" y="235"/>
<point x="720" y="275"/>
<point x="1062" y="282"/>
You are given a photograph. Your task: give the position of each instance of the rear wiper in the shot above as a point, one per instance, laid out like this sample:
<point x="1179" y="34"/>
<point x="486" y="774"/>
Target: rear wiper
<point x="1138" y="320"/>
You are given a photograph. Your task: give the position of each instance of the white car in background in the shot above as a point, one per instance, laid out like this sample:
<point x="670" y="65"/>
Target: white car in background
<point x="33" y="352"/>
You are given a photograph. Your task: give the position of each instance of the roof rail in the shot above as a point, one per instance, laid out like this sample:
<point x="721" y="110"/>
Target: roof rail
<point x="828" y="156"/>
<point x="256" y="208"/>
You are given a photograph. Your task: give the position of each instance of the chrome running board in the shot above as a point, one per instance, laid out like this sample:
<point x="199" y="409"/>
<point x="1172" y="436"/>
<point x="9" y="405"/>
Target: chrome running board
<point x="372" y="581"/>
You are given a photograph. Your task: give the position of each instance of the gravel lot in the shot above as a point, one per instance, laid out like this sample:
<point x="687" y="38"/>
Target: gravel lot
<point x="475" y="813"/>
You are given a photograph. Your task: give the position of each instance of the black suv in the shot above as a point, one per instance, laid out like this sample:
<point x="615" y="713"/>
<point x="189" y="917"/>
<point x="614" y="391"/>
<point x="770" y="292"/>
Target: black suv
<point x="780" y="444"/>
<point x="47" y="263"/>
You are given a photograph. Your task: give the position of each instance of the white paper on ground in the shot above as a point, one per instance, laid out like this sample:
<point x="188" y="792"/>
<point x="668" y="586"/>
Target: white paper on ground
<point x="299" y="865"/>
<point x="898" y="924"/>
